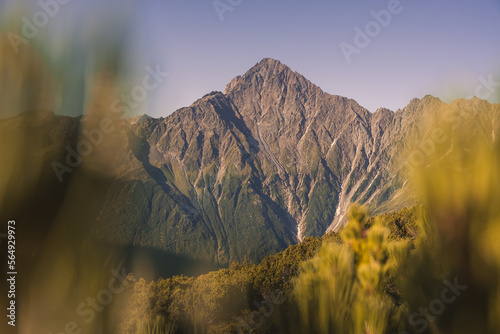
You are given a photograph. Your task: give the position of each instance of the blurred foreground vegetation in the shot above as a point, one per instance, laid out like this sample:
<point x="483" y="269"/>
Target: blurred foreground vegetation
<point x="263" y="297"/>
<point x="433" y="268"/>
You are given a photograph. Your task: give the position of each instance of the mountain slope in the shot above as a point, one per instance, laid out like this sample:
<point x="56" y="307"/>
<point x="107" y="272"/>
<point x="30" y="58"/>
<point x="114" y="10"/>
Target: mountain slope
<point x="271" y="160"/>
<point x="246" y="172"/>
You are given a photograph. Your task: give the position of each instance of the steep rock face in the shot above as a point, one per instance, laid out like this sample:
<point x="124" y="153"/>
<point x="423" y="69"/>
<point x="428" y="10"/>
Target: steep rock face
<point x="202" y="193"/>
<point x="271" y="160"/>
<point x="249" y="171"/>
<point x="312" y="140"/>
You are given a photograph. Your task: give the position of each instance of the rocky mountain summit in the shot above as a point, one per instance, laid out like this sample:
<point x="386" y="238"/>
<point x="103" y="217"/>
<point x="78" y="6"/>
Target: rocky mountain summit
<point x="271" y="160"/>
<point x="268" y="162"/>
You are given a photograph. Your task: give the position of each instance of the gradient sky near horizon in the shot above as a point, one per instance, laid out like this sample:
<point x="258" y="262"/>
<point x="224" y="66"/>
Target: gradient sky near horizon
<point x="438" y="47"/>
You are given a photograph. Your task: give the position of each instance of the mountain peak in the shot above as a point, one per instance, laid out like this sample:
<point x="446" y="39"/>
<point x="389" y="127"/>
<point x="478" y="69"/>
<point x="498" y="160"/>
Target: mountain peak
<point x="270" y="61"/>
<point x="270" y="66"/>
<point x="268" y="71"/>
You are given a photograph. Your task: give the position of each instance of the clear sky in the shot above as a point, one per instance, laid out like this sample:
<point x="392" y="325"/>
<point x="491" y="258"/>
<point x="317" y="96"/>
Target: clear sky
<point x="438" y="47"/>
<point x="447" y="48"/>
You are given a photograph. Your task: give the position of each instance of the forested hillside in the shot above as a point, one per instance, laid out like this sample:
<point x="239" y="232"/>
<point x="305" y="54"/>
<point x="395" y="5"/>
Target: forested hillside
<point x="254" y="296"/>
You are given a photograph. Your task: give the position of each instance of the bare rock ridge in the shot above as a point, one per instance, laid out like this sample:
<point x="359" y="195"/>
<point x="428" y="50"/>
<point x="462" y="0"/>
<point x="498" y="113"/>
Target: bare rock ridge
<point x="271" y="160"/>
<point x="268" y="162"/>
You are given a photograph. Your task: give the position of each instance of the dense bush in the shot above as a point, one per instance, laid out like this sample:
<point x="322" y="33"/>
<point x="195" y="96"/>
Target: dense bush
<point x="224" y="301"/>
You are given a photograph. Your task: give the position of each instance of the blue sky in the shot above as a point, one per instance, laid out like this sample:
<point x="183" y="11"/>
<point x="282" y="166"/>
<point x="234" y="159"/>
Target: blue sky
<point x="438" y="47"/>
